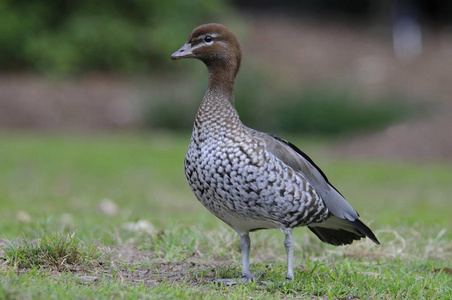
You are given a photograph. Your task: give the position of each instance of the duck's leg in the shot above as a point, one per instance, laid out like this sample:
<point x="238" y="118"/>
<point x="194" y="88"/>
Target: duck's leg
<point x="245" y="243"/>
<point x="288" y="243"/>
<point x="246" y="273"/>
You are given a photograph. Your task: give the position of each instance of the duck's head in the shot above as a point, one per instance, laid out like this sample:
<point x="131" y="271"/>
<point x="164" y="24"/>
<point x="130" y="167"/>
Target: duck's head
<point x="215" y="45"/>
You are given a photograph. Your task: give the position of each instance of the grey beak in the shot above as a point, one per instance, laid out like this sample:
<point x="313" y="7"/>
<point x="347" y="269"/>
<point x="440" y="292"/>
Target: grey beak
<point x="183" y="52"/>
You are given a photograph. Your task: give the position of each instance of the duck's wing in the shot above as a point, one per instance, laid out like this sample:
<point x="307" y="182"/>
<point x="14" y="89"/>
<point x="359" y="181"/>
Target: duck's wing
<point x="344" y="226"/>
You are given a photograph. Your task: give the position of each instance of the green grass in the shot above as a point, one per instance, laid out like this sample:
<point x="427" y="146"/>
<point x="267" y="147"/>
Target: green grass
<point x="58" y="250"/>
<point x="56" y="243"/>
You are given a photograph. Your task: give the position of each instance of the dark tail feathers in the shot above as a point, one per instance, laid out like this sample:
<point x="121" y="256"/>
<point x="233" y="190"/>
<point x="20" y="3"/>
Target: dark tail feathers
<point x="362" y="228"/>
<point x="339" y="237"/>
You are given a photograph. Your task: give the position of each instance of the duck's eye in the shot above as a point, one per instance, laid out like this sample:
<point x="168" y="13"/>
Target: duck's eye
<point x="208" y="39"/>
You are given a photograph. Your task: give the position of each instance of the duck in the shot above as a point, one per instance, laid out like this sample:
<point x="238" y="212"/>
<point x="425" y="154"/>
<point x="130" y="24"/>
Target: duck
<point x="253" y="180"/>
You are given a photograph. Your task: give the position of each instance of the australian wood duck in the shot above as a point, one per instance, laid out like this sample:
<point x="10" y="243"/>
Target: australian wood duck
<point x="253" y="180"/>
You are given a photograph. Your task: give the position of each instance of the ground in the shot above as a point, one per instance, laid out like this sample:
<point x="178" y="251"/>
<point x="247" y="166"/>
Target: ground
<point x="112" y="217"/>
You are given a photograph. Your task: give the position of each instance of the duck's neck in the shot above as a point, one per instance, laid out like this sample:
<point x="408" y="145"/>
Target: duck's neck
<point x="218" y="103"/>
<point x="221" y="79"/>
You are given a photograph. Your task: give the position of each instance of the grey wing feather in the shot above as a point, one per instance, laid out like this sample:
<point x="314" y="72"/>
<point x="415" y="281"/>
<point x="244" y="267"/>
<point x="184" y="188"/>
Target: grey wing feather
<point x="300" y="162"/>
<point x="344" y="226"/>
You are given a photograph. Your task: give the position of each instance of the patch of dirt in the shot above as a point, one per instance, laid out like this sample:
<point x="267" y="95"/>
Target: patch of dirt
<point x="445" y="270"/>
<point x="126" y="265"/>
<point x="188" y="270"/>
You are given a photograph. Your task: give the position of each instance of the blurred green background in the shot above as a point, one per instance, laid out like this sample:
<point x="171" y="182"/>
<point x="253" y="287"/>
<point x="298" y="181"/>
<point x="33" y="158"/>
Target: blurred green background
<point x="71" y="37"/>
<point x="355" y="81"/>
<point x="335" y="68"/>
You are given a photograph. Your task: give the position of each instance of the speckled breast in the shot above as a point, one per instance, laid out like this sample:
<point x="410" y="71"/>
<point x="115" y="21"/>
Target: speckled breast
<point x="239" y="182"/>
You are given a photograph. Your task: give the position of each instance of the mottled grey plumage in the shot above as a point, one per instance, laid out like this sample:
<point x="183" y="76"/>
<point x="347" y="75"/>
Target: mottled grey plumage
<point x="232" y="172"/>
<point x="249" y="179"/>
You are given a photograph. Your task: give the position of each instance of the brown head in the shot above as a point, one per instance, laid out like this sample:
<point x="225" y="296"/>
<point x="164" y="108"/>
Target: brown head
<point x="217" y="47"/>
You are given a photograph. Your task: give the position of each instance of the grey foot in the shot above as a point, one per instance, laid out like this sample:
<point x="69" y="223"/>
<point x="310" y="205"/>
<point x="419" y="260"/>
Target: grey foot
<point x="233" y="281"/>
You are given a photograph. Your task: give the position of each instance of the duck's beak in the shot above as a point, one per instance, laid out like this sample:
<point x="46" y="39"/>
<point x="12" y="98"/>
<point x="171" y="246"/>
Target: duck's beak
<point x="183" y="52"/>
